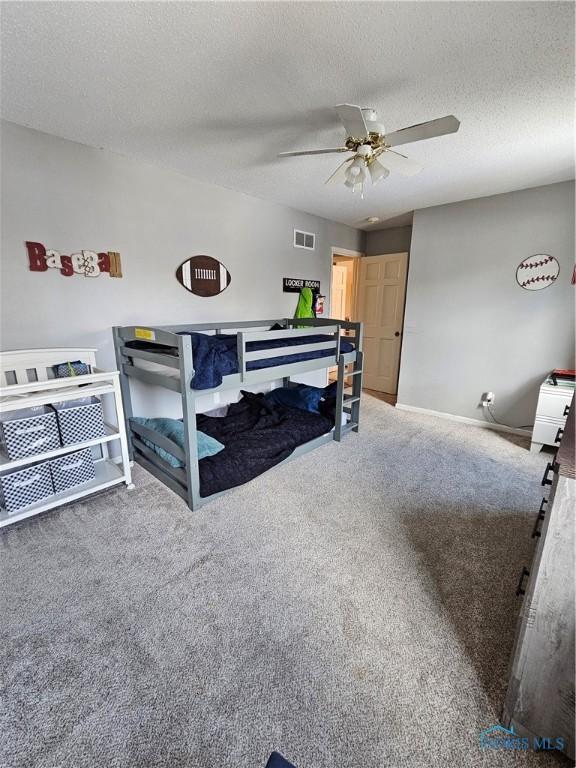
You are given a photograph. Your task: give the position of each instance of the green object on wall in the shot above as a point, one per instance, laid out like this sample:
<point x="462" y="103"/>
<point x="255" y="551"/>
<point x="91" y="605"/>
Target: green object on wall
<point x="305" y="302"/>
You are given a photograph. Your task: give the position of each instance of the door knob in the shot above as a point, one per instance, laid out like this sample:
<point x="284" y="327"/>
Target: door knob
<point x="397" y="333"/>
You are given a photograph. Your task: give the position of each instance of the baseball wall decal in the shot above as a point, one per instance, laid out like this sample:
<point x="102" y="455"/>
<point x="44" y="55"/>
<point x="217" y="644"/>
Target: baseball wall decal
<point x="537" y="272"/>
<point x="203" y="275"/>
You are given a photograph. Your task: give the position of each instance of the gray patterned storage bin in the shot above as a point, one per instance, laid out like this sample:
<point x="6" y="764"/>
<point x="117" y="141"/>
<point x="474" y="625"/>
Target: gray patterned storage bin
<point x="73" y="469"/>
<point x="79" y="420"/>
<point x="29" y="431"/>
<point x="25" y="487"/>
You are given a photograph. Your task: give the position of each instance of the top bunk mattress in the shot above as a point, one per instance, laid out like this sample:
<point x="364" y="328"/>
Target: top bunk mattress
<point x="216" y="356"/>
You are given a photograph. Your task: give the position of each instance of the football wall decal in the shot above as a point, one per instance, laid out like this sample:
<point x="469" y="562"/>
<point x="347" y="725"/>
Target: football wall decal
<point x="203" y="276"/>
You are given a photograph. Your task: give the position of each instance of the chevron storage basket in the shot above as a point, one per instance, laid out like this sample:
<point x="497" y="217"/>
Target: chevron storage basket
<point x="29" y="431"/>
<point x="73" y="469"/>
<point x="25" y="487"/>
<point x="79" y="420"/>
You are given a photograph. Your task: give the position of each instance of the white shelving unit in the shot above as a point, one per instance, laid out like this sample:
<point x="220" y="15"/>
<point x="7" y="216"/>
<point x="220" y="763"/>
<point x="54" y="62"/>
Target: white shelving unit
<point x="26" y="381"/>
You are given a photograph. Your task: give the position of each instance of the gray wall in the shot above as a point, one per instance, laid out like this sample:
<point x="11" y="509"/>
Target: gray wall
<point x="71" y="197"/>
<point x="469" y="327"/>
<point x="392" y="240"/>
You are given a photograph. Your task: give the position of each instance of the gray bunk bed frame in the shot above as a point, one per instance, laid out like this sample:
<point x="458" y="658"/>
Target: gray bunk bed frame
<point x="186" y="481"/>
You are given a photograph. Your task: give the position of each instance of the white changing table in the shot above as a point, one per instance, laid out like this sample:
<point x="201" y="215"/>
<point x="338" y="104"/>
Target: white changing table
<point x="26" y="380"/>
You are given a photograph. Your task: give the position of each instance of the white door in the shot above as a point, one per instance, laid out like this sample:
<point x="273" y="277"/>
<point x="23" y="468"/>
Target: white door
<point x="338" y="292"/>
<point x="381" y="294"/>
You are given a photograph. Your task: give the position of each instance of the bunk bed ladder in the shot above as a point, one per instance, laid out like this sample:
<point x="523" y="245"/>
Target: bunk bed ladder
<point x="345" y="403"/>
<point x="124" y="387"/>
<point x="189" y="414"/>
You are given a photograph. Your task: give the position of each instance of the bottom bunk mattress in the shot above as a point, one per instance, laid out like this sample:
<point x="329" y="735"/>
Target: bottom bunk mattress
<point x="256" y="435"/>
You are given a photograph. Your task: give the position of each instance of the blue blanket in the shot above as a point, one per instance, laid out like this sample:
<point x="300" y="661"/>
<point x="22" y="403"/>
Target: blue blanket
<point x="216" y="356"/>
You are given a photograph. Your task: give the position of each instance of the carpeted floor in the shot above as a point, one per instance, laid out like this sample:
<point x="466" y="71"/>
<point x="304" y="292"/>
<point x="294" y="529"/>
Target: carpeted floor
<point x="352" y="609"/>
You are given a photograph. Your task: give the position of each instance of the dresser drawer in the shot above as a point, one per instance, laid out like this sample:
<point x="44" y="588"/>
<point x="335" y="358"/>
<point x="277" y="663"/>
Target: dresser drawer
<point x="546" y="432"/>
<point x="554" y="402"/>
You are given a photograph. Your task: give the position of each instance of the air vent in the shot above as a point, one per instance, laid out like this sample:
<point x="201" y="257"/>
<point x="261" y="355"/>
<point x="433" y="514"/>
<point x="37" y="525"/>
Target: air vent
<point x="304" y="240"/>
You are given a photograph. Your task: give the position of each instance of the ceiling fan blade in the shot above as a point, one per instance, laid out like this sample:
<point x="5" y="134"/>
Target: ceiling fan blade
<point x="339" y="175"/>
<point x="429" y="130"/>
<point x="397" y="162"/>
<point x="313" y="152"/>
<point x="377" y="171"/>
<point x="353" y="120"/>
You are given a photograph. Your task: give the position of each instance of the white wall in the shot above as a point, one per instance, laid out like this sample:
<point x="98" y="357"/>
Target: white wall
<point x="469" y="327"/>
<point x="71" y="197"/>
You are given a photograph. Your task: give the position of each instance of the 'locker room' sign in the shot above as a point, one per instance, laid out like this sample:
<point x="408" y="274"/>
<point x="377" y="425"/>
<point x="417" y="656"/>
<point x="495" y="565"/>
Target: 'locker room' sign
<point x="295" y="284"/>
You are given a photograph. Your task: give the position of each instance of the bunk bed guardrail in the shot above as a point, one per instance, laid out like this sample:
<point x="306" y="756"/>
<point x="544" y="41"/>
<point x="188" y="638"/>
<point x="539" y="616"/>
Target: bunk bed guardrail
<point x="170" y="336"/>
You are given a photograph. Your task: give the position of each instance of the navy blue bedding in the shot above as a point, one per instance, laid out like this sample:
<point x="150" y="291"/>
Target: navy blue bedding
<point x="256" y="435"/>
<point x="216" y="356"/>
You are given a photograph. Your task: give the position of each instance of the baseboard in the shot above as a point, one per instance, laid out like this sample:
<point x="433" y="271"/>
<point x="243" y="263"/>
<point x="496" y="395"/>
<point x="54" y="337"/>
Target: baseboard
<point x="465" y="420"/>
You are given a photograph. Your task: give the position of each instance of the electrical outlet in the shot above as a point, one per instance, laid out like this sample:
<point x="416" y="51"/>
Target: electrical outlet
<point x="487" y="399"/>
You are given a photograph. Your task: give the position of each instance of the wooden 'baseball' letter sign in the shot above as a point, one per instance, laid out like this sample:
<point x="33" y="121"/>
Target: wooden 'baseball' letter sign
<point x="87" y="263"/>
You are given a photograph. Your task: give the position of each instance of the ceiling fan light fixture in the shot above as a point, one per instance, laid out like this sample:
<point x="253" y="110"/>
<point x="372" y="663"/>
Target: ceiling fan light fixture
<point x="372" y="155"/>
<point x="356" y="172"/>
<point x="377" y="171"/>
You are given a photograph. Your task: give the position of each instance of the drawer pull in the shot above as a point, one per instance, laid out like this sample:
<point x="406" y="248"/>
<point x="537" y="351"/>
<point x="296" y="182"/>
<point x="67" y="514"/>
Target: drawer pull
<point x="549" y="467"/>
<point x="559" y="435"/>
<point x="536" y="532"/>
<point x="75" y="465"/>
<point x="30" y="430"/>
<point x="26" y="483"/>
<point x="520" y="589"/>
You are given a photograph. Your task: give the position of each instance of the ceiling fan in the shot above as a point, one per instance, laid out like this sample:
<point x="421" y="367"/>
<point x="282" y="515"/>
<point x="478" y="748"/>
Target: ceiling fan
<point x="373" y="157"/>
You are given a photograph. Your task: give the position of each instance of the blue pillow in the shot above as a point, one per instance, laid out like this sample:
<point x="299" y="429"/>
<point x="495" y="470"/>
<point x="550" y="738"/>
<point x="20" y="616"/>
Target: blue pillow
<point x="302" y="396"/>
<point x="173" y="429"/>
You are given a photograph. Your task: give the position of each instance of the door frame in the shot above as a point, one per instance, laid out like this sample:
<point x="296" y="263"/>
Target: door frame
<point x="335" y="251"/>
<point x="350" y="254"/>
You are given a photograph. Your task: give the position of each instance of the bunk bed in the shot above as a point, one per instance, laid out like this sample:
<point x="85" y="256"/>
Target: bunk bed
<point x="206" y="358"/>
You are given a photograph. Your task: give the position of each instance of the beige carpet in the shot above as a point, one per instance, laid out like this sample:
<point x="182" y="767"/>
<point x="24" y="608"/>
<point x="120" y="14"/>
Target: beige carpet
<point x="352" y="609"/>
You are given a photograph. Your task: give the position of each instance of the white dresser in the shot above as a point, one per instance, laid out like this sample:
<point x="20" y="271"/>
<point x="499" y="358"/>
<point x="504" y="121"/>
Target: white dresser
<point x="539" y="704"/>
<point x="551" y="412"/>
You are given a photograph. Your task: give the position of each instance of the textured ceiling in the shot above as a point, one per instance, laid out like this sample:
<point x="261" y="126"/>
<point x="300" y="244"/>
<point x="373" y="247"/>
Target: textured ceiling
<point x="216" y="90"/>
